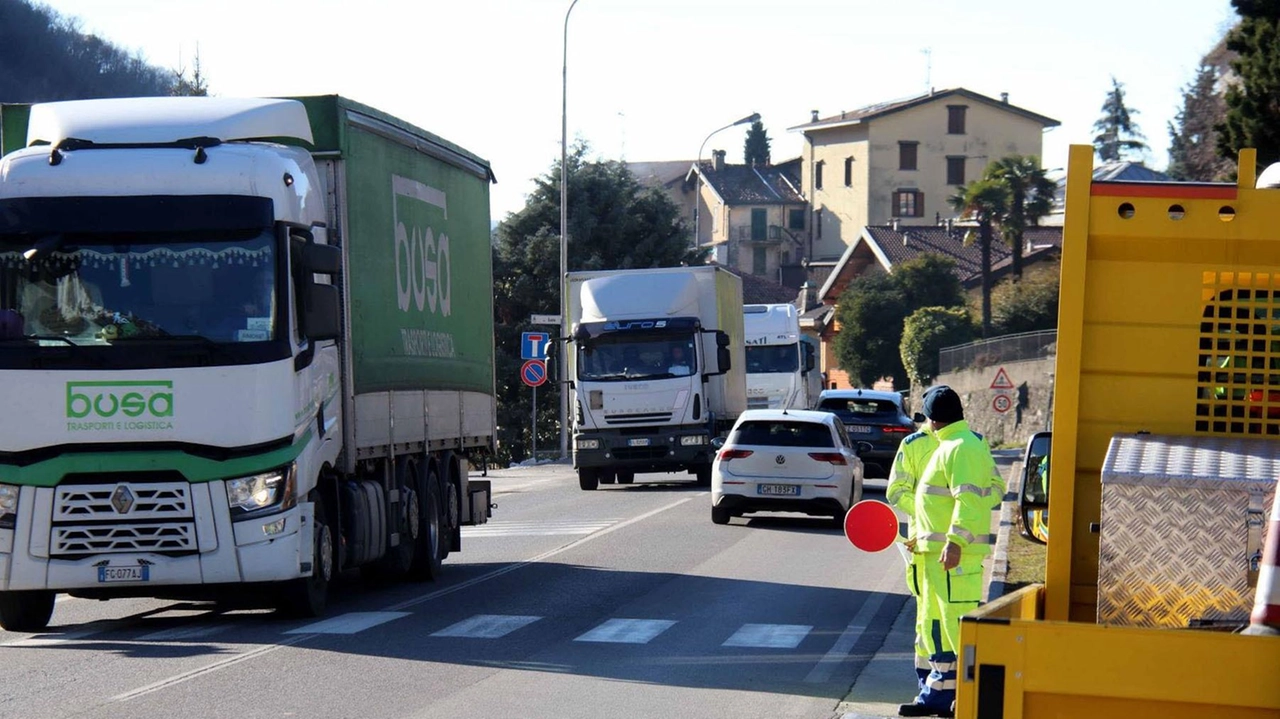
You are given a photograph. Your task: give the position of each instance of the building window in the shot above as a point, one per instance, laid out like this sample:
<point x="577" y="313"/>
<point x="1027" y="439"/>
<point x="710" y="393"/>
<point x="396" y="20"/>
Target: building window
<point x="907" y="155"/>
<point x="955" y="170"/>
<point x="759" y="224"/>
<point x="795" y="219"/>
<point x="908" y="203"/>
<point x="955" y="119"/>
<point x="848" y="172"/>
<point x="757" y="260"/>
<point x="817" y="174"/>
<point x="817" y="224"/>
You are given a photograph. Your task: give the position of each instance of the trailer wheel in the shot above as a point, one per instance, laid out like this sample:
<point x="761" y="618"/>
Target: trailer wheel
<point x="25" y="611"/>
<point x="588" y="478"/>
<point x="428" y="556"/>
<point x="704" y="475"/>
<point x="626" y="476"/>
<point x="308" y="596"/>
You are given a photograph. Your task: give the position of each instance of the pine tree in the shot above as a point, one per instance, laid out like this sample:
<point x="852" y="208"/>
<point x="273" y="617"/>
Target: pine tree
<point x="1253" y="100"/>
<point x="197" y="85"/>
<point x="1118" y="134"/>
<point x="1193" y="135"/>
<point x="756" y="149"/>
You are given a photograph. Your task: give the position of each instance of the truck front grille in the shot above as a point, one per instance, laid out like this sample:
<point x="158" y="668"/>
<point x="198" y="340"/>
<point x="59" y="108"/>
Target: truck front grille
<point x="757" y="403"/>
<point x="106" y="539"/>
<point x="122" y="500"/>
<point x="647" y="418"/>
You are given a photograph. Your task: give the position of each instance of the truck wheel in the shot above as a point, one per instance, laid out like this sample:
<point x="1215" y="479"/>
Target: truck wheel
<point x="588" y="478"/>
<point x="399" y="560"/>
<point x="626" y="477"/>
<point x="308" y="596"/>
<point x="720" y="515"/>
<point x="25" y="611"/>
<point x="428" y="556"/>
<point x="704" y="475"/>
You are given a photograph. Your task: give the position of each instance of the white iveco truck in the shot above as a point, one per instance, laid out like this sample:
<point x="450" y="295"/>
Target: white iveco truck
<point x="655" y="364"/>
<point x="781" y="362"/>
<point x="233" y="366"/>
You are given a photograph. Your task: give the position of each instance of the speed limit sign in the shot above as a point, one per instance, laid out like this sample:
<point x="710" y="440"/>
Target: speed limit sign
<point x="1002" y="403"/>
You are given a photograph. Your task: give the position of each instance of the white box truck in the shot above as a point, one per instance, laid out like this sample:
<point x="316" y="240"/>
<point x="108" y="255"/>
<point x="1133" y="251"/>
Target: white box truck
<point x="781" y="361"/>
<point x="655" y="366"/>
<point x="235" y="366"/>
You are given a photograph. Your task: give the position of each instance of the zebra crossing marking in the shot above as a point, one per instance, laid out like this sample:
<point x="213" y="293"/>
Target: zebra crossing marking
<point x="627" y="631"/>
<point x="486" y="626"/>
<point x="769" y="636"/>
<point x="350" y="623"/>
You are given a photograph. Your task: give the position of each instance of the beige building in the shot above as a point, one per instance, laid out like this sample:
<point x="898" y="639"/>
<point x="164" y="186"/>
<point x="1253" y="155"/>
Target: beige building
<point x="900" y="161"/>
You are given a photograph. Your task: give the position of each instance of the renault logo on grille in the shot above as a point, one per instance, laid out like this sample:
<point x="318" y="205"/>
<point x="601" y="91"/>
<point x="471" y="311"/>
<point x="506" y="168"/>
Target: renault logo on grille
<point x="122" y="499"/>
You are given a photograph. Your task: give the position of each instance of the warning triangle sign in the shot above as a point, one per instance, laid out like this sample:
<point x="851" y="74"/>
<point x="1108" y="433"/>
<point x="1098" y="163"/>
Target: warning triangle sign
<point x="1002" y="380"/>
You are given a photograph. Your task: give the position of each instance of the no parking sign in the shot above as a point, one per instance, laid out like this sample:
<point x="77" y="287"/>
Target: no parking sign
<point x="533" y="372"/>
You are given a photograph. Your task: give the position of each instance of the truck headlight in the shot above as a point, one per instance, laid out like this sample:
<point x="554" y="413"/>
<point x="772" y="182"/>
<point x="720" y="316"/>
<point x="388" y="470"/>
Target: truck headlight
<point x="261" y="492"/>
<point x="587" y="443"/>
<point x="690" y="440"/>
<point x="8" y="505"/>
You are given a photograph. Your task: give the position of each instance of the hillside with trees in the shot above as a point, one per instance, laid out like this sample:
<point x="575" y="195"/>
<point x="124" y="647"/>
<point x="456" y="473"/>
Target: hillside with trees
<point x="45" y="56"/>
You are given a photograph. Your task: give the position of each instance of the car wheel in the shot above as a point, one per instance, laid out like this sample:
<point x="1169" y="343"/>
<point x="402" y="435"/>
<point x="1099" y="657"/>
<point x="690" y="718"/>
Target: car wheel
<point x="588" y="478"/>
<point x="720" y="515"/>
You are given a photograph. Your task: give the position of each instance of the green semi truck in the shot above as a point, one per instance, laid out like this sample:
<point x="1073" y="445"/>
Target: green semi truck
<point x="234" y="350"/>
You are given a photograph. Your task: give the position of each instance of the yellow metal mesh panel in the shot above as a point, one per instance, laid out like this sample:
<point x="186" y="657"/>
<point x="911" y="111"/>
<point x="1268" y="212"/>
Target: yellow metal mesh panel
<point x="1238" y="380"/>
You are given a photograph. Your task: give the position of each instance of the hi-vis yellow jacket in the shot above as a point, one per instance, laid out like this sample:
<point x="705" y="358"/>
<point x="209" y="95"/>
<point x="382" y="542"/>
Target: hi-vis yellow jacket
<point x="913" y="455"/>
<point x="956" y="493"/>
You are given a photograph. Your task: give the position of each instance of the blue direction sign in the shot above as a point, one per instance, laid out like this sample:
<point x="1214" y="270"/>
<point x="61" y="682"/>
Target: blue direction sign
<point x="533" y="372"/>
<point x="533" y="345"/>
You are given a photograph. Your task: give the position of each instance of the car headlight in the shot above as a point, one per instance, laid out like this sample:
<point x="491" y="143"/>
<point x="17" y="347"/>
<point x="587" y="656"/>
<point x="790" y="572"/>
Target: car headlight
<point x="261" y="492"/>
<point x="587" y="443"/>
<point x="690" y="440"/>
<point x="8" y="505"/>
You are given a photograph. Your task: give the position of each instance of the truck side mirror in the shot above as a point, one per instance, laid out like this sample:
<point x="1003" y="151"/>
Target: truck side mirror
<point x="321" y="312"/>
<point x="1033" y="495"/>
<point x="321" y="259"/>
<point x="809" y="360"/>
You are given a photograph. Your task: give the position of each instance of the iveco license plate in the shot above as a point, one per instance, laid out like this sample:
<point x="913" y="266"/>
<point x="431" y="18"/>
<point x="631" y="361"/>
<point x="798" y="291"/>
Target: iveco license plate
<point x="779" y="489"/>
<point x="138" y="573"/>
<point x="641" y="442"/>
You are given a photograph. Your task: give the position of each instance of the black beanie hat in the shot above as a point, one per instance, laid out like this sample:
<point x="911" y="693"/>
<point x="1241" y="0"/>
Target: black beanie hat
<point x="942" y="404"/>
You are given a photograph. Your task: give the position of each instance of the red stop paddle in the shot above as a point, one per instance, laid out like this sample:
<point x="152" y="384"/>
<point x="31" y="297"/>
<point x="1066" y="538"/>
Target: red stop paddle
<point x="871" y="526"/>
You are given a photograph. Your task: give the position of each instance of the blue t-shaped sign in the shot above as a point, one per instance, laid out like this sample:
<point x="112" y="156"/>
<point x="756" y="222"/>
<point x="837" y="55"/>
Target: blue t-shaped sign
<point x="533" y="345"/>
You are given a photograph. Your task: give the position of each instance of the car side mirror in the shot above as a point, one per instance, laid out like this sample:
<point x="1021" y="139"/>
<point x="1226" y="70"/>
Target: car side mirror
<point x="918" y="418"/>
<point x="717" y="443"/>
<point x="1033" y="495"/>
<point x="863" y="447"/>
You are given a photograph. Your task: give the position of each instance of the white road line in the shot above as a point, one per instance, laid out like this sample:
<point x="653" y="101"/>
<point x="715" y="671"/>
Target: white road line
<point x="822" y="671"/>
<point x="215" y="666"/>
<point x="535" y="529"/>
<point x="627" y="631"/>
<point x="486" y="626"/>
<point x="349" y="623"/>
<point x="769" y="636"/>
<point x="184" y="633"/>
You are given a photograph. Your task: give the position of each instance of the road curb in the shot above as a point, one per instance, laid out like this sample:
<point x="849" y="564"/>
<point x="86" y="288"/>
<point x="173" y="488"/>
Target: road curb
<point x="997" y="583"/>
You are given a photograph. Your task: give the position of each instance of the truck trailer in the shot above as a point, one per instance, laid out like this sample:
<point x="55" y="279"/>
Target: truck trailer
<point x="781" y="361"/>
<point x="655" y="360"/>
<point x="1160" y="468"/>
<point x="233" y="361"/>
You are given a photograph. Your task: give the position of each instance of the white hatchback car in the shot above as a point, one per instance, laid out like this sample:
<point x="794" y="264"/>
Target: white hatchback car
<point x="786" y="461"/>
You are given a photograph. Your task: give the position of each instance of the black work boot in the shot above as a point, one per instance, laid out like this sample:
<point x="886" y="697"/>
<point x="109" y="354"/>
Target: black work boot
<point x="920" y="710"/>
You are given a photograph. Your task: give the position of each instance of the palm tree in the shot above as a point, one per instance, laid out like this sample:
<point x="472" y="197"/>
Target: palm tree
<point x="1030" y="199"/>
<point x="985" y="201"/>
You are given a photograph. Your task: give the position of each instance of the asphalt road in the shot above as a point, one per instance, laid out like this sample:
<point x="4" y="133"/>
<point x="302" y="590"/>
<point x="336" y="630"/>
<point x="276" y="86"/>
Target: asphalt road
<point x="623" y="602"/>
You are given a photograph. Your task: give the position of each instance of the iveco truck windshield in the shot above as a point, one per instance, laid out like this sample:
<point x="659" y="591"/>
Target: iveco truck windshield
<point x="619" y="356"/>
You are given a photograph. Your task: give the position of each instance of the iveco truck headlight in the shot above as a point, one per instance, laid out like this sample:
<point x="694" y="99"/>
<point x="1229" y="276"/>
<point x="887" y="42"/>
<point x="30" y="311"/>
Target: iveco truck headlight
<point x="8" y="505"/>
<point x="588" y="443"/>
<point x="269" y="490"/>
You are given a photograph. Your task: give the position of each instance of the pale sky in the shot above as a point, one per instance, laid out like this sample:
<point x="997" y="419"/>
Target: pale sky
<point x="649" y="79"/>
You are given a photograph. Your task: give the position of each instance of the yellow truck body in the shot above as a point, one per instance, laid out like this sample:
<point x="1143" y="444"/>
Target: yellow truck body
<point x="1138" y="352"/>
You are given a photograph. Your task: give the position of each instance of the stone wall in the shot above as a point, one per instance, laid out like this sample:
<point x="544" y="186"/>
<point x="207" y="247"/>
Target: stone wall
<point x="1026" y="398"/>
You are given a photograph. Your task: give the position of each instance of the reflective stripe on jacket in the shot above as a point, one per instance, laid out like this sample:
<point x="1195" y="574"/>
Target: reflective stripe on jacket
<point x="956" y="493"/>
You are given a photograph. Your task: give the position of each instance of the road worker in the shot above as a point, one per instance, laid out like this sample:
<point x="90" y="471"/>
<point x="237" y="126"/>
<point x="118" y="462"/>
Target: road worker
<point x="951" y="525"/>
<point x="913" y="455"/>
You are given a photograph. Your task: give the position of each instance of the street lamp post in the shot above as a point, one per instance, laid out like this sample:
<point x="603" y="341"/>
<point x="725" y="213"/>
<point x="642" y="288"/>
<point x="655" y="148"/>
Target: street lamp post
<point x="564" y="227"/>
<point x="697" y="200"/>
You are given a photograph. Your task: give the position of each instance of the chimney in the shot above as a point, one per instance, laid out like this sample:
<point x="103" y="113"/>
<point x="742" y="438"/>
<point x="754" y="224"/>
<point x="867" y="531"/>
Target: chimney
<point x="808" y="298"/>
<point x="717" y="160"/>
<point x="814" y="116"/>
<point x="906" y="238"/>
<point x="893" y="224"/>
<point x="1004" y="97"/>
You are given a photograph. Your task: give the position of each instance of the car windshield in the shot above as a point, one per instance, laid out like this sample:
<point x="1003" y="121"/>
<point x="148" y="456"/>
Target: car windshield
<point x="88" y="290"/>
<point x="773" y="358"/>
<point x="632" y="357"/>
<point x="782" y="434"/>
<point x="857" y="409"/>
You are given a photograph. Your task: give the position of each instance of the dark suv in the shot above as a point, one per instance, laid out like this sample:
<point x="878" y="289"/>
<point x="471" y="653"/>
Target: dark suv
<point x="871" y="416"/>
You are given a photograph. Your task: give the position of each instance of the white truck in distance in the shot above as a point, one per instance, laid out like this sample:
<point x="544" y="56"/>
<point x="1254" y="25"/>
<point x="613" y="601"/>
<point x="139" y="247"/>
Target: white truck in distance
<point x="781" y="362"/>
<point x="655" y="364"/>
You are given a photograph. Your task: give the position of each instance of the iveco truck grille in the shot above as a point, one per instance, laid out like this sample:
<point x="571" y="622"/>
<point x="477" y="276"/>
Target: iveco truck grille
<point x="647" y="418"/>
<point x="117" y="517"/>
<point x="1238" y="379"/>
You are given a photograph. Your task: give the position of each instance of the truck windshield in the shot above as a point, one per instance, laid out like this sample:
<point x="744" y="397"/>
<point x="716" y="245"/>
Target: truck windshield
<point x="773" y="358"/>
<point x="631" y="357"/>
<point x="101" y="290"/>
